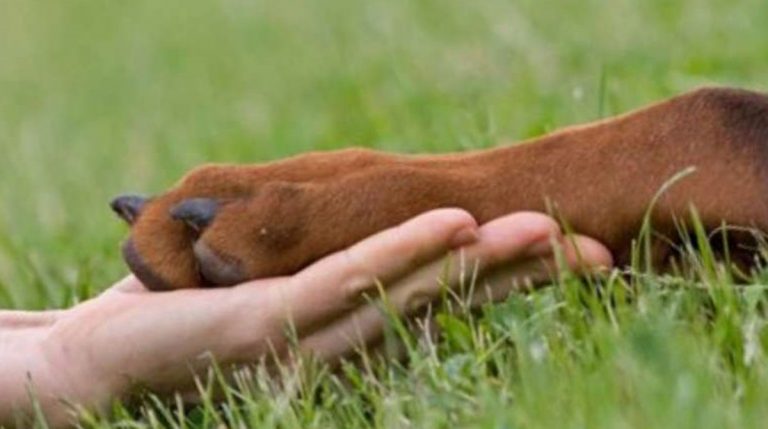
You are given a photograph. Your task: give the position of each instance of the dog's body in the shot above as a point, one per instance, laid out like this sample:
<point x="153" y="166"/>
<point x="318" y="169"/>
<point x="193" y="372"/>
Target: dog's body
<point x="224" y="224"/>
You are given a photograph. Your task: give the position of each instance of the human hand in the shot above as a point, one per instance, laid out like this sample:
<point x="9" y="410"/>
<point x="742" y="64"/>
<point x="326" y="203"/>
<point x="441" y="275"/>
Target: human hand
<point x="96" y="351"/>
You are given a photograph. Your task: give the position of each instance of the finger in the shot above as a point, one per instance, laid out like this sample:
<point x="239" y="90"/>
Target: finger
<point x="336" y="283"/>
<point x="517" y="237"/>
<point x="586" y="255"/>
<point x="360" y="351"/>
<point x="581" y="255"/>
<point x="347" y="336"/>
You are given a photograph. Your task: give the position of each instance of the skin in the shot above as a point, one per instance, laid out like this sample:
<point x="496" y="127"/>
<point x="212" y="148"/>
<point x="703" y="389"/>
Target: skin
<point x="165" y="339"/>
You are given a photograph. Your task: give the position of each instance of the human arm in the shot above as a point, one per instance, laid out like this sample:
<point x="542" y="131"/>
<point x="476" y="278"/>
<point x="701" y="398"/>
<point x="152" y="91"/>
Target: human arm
<point x="98" y="350"/>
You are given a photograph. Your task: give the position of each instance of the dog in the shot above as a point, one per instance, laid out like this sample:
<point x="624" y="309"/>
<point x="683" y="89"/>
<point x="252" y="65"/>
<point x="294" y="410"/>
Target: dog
<point x="224" y="224"/>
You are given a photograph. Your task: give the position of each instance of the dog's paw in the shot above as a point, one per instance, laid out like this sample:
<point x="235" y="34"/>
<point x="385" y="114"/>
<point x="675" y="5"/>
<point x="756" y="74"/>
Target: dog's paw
<point x="203" y="234"/>
<point x="225" y="223"/>
<point x="254" y="236"/>
<point x="214" y="231"/>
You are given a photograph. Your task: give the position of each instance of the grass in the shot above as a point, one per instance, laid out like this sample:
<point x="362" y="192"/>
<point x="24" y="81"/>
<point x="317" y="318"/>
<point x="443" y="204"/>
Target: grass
<point x="101" y="97"/>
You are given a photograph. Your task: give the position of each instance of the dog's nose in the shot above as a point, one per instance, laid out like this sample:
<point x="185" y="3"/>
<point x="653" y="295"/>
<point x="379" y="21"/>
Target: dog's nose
<point x="196" y="212"/>
<point x="128" y="207"/>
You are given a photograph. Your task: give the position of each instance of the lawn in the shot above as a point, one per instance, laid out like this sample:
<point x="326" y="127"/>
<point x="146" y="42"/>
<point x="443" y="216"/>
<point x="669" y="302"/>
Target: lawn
<point x="101" y="97"/>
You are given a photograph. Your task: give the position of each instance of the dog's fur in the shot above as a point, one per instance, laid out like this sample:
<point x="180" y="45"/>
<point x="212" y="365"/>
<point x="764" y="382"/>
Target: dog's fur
<point x="273" y="219"/>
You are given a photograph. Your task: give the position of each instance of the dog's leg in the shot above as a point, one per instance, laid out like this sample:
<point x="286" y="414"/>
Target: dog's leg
<point x="601" y="179"/>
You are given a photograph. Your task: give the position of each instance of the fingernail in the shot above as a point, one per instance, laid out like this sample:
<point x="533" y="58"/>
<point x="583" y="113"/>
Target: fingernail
<point x="465" y="236"/>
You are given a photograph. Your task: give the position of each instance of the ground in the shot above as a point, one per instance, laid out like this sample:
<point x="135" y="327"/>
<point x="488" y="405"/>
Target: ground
<point x="101" y="97"/>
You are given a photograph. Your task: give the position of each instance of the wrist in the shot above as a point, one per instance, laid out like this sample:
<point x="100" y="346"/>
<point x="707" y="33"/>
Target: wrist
<point x="26" y="375"/>
<point x="67" y="376"/>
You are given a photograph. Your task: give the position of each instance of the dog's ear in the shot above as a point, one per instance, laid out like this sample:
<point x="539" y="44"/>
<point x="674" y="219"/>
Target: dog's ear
<point x="128" y="207"/>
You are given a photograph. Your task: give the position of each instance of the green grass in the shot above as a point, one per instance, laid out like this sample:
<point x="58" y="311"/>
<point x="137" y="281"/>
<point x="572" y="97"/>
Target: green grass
<point x="99" y="97"/>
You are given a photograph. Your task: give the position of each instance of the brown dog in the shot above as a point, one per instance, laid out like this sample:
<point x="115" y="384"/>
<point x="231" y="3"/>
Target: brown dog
<point x="223" y="224"/>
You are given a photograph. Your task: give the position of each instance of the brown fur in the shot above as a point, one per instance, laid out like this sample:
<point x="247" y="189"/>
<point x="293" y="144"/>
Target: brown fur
<point x="276" y="218"/>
